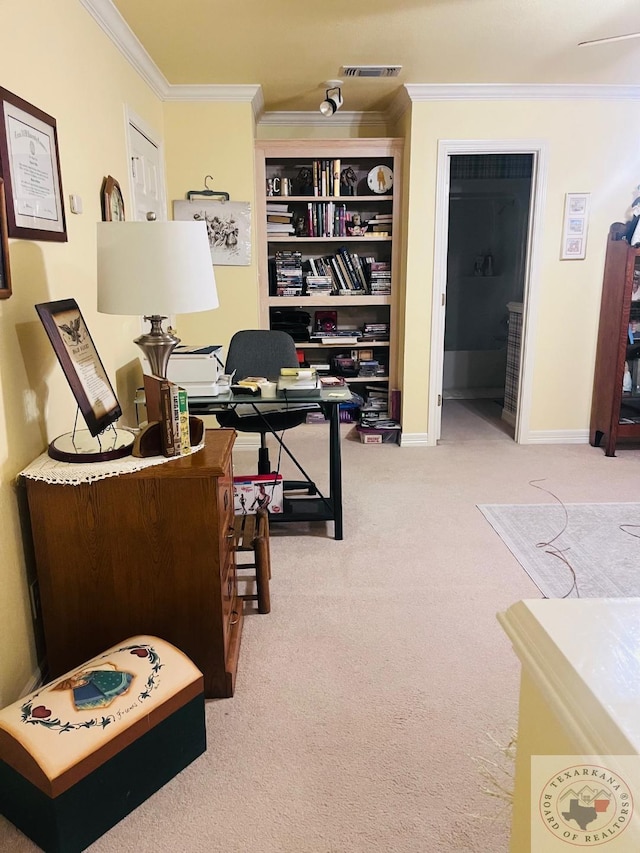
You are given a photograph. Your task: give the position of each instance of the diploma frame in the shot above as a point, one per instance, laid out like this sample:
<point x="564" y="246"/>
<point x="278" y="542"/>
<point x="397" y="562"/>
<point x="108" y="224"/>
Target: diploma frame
<point x="66" y="328"/>
<point x="5" y="270"/>
<point x="20" y="120"/>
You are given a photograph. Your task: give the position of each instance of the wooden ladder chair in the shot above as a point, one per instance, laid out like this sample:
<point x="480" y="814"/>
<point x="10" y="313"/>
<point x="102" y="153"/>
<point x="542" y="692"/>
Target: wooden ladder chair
<point x="251" y="534"/>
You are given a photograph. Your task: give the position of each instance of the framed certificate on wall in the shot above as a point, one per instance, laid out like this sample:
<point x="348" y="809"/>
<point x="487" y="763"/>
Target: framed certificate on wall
<point x="30" y="167"/>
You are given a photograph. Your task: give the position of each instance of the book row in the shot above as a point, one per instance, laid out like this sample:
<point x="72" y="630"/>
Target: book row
<point x="326" y="219"/>
<point x="342" y="272"/>
<point x="167" y="403"/>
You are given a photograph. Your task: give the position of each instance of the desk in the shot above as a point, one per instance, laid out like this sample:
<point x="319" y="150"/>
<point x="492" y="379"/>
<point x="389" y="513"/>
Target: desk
<point x="296" y="509"/>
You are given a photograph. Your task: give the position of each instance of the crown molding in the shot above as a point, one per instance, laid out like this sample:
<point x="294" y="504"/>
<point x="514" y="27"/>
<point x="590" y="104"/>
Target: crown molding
<point x="116" y="28"/>
<point x="242" y="93"/>
<point x="519" y="92"/>
<point x="114" y="25"/>
<point x="399" y="105"/>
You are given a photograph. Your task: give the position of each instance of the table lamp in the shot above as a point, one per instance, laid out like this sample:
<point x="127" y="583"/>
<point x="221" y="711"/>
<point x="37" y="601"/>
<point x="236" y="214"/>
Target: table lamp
<point x="155" y="269"/>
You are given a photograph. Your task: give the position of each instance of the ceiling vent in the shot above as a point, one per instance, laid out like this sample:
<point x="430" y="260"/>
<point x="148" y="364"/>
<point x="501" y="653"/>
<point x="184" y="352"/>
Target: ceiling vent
<point x="370" y="70"/>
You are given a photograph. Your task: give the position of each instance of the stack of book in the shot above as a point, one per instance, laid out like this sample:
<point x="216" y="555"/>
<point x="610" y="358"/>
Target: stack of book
<point x="381" y="224"/>
<point x="288" y="273"/>
<point x="338" y="337"/>
<point x="379" y="273"/>
<point x="279" y="219"/>
<point x="318" y="285"/>
<point x="301" y="382"/>
<point x="375" y="332"/>
<point x="380" y="409"/>
<point x="369" y="367"/>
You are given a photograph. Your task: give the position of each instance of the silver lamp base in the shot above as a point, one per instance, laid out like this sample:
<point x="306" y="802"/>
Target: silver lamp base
<point x="157" y="345"/>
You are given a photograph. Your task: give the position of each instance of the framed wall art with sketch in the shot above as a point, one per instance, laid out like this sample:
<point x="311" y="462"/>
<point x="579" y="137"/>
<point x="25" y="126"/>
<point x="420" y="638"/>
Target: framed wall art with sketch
<point x="228" y="227"/>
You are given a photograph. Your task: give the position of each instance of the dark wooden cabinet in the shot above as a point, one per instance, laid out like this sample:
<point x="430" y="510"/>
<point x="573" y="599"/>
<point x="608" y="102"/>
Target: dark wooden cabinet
<point x="148" y="552"/>
<point x="615" y="408"/>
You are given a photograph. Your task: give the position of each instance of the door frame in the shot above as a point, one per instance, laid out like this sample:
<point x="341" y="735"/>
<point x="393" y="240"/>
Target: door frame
<point x="132" y="120"/>
<point x="446" y="149"/>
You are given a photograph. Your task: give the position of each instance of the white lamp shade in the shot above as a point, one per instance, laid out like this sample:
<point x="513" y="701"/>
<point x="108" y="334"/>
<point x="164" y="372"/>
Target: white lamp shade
<point x="150" y="268"/>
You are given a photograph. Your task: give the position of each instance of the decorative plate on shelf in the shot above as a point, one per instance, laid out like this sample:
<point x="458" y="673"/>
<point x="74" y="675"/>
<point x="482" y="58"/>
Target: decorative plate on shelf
<point x="380" y="179"/>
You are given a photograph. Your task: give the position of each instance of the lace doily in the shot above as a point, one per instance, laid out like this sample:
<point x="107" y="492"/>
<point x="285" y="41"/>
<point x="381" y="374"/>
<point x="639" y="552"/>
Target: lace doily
<point x="72" y="473"/>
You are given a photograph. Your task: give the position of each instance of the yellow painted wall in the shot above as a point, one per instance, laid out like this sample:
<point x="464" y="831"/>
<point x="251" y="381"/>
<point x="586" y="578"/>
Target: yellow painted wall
<point x="592" y="148"/>
<point x="324" y="130"/>
<point x="215" y="139"/>
<point x="61" y="62"/>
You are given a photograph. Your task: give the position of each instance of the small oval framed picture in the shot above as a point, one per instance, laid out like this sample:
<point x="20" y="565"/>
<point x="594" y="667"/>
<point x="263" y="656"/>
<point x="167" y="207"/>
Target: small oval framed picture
<point x="112" y="201"/>
<point x="5" y="272"/>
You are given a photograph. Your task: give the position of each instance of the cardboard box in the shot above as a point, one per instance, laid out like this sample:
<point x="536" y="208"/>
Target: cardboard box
<point x="251" y="492"/>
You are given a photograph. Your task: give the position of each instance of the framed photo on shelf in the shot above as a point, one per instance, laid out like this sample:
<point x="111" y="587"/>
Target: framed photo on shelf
<point x="112" y="201"/>
<point x="5" y="270"/>
<point x="30" y="165"/>
<point x="574" y="230"/>
<point x="80" y="362"/>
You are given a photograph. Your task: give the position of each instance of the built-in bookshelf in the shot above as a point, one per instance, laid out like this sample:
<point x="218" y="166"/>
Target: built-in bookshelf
<point x="331" y="245"/>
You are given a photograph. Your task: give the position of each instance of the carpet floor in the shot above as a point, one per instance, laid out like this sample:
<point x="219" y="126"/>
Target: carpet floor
<point x="375" y="702"/>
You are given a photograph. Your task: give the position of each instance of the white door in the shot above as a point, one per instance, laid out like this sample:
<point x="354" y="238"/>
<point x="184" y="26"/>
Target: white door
<point x="146" y="166"/>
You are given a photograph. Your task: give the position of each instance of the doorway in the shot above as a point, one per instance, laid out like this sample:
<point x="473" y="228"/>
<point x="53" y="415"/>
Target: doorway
<point x="489" y="202"/>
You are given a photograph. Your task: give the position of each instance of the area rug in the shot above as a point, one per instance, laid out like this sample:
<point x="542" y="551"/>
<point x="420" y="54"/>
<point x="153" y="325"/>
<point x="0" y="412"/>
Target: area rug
<point x="573" y="550"/>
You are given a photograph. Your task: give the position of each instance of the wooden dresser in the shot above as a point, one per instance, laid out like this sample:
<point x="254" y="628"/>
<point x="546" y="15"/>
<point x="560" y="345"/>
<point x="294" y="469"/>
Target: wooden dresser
<point x="148" y="552"/>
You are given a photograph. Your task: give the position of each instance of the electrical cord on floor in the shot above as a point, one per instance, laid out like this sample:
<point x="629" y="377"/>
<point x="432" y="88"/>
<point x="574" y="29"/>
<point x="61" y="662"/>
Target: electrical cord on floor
<point x="551" y="549"/>
<point x="626" y="529"/>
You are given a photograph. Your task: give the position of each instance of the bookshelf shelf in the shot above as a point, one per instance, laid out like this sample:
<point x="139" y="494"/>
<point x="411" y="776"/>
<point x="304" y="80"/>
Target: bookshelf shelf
<point x="354" y="264"/>
<point x="291" y="238"/>
<point x="359" y="345"/>
<point x="308" y="302"/>
<point x="366" y="379"/>
<point x="347" y="199"/>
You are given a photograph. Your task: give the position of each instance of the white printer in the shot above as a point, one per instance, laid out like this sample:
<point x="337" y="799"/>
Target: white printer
<point x="195" y="368"/>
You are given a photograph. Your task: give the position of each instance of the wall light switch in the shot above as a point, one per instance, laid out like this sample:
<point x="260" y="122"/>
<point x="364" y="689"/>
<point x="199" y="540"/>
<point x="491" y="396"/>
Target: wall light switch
<point x="75" y="202"/>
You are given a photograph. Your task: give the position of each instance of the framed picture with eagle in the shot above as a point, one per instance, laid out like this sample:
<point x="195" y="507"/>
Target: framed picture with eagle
<point x="82" y="366"/>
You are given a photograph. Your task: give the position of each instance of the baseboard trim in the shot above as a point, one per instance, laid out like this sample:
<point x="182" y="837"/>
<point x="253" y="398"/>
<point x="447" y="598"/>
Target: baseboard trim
<point x="558" y="436"/>
<point x="247" y="441"/>
<point x="414" y="439"/>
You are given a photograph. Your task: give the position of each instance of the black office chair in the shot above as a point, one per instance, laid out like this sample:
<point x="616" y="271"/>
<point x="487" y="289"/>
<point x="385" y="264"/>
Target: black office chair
<point x="261" y="352"/>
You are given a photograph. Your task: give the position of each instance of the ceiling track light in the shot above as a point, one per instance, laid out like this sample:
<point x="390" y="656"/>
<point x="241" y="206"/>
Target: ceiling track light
<point x="332" y="98"/>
